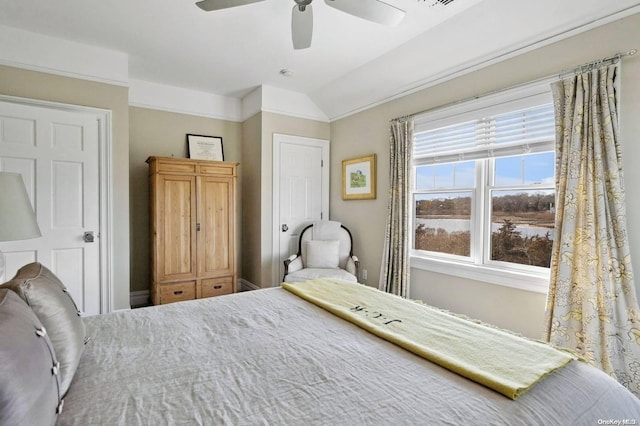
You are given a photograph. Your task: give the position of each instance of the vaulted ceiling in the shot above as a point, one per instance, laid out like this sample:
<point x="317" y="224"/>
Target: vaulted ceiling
<point x="351" y="64"/>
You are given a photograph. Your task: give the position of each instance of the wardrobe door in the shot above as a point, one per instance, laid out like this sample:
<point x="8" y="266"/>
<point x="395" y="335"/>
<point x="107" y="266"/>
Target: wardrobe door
<point x="175" y="219"/>
<point x="216" y="219"/>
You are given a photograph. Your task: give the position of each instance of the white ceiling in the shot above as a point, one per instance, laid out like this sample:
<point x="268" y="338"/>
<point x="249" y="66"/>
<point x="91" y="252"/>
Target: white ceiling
<point x="351" y="64"/>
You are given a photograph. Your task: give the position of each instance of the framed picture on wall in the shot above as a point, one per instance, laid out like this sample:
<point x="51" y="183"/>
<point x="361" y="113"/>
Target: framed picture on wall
<point x="203" y="147"/>
<point x="359" y="178"/>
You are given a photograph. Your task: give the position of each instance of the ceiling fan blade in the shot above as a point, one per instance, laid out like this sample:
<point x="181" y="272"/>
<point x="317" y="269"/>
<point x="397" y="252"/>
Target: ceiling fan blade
<point x="371" y="10"/>
<point x="301" y="27"/>
<point x="209" y="5"/>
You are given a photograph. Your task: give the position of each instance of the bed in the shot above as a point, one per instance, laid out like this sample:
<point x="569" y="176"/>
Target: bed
<point x="271" y="357"/>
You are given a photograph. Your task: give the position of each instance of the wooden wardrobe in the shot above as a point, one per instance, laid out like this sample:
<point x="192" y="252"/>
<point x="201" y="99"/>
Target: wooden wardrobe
<point x="193" y="229"/>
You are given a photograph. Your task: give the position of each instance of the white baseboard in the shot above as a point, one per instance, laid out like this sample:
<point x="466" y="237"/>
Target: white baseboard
<point x="246" y="285"/>
<point x="139" y="298"/>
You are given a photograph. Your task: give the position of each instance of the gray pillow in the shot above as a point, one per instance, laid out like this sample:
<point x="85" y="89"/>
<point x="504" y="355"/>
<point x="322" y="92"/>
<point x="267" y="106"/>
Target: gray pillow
<point x="57" y="311"/>
<point x="29" y="383"/>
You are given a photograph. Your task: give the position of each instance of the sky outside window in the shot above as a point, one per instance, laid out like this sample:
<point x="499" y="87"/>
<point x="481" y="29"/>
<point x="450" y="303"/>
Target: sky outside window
<point x="525" y="169"/>
<point x="441" y="176"/>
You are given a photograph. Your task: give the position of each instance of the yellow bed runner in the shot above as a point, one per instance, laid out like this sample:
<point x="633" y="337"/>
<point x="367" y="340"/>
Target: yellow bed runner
<point x="502" y="361"/>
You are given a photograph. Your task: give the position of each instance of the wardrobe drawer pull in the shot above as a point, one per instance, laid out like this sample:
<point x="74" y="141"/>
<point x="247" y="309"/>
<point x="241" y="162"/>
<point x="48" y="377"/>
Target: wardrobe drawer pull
<point x="178" y="292"/>
<point x="217" y="287"/>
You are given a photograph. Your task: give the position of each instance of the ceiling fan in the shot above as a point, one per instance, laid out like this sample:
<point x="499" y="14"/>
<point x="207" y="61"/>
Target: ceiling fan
<point x="302" y="14"/>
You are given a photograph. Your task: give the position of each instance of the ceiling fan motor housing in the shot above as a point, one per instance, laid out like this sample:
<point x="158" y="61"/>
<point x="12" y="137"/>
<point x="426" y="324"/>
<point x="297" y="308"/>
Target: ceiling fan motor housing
<point x="302" y="4"/>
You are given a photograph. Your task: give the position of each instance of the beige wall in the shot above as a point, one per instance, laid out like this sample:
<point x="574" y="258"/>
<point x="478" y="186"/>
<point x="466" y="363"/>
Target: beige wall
<point x="258" y="191"/>
<point x="367" y="132"/>
<point x="356" y="136"/>
<point x="163" y="134"/>
<point x="48" y="87"/>
<point x="250" y="261"/>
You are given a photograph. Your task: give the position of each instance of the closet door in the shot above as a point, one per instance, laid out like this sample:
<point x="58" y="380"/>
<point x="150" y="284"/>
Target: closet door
<point x="57" y="149"/>
<point x="176" y="227"/>
<point x="216" y="217"/>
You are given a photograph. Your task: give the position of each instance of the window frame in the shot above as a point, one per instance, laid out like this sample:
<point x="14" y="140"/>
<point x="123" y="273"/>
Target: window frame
<point x="478" y="266"/>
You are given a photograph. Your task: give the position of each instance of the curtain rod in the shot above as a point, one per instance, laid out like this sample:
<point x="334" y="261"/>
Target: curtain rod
<point x="568" y="71"/>
<point x="590" y="65"/>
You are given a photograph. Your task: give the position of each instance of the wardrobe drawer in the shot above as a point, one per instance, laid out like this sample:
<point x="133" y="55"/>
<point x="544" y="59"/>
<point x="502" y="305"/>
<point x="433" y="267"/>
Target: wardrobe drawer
<point x="177" y="292"/>
<point x="217" y="169"/>
<point x="217" y="286"/>
<point x="176" y="167"/>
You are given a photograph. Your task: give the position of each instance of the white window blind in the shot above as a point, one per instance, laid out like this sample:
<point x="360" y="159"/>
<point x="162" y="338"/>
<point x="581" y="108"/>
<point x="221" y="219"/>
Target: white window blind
<point x="526" y="130"/>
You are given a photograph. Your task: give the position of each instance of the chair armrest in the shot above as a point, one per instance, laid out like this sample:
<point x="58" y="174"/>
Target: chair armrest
<point x="352" y="266"/>
<point x="292" y="264"/>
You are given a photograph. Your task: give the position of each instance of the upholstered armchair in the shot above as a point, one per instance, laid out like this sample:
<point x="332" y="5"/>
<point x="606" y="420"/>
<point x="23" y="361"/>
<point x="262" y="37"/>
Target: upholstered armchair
<point x="325" y="250"/>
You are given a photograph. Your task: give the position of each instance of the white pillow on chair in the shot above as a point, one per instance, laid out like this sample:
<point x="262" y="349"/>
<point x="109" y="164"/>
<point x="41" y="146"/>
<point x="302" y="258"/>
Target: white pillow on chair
<point x="323" y="253"/>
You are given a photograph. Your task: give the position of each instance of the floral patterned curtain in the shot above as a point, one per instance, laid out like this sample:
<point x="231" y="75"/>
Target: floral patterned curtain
<point x="394" y="272"/>
<point x="592" y="306"/>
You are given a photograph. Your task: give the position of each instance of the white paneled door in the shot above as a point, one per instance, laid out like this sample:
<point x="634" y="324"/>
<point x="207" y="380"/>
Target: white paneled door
<point x="58" y="155"/>
<point x="301" y="191"/>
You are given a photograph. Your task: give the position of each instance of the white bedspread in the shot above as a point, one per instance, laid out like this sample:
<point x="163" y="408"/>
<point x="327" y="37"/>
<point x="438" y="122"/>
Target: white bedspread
<point x="267" y="357"/>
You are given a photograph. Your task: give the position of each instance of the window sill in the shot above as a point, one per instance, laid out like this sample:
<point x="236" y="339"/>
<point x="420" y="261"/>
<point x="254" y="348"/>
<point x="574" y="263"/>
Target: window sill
<point x="538" y="283"/>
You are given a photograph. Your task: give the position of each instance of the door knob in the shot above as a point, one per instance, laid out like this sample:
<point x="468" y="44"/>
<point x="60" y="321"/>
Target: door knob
<point x="88" y="237"/>
<point x="285" y="228"/>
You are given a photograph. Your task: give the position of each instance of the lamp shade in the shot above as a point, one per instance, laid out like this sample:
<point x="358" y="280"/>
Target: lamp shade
<point x="17" y="218"/>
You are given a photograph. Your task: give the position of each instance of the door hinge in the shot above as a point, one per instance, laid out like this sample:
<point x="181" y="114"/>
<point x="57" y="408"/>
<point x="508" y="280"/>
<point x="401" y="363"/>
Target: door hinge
<point x="321" y="215"/>
<point x="321" y="163"/>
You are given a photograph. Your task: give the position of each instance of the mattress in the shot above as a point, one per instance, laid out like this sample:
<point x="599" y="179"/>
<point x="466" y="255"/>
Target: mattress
<point x="267" y="357"/>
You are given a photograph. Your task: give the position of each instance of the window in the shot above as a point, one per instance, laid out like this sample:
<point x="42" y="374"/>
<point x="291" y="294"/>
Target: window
<point x="483" y="192"/>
